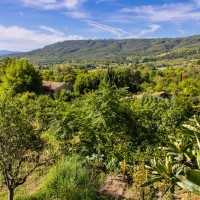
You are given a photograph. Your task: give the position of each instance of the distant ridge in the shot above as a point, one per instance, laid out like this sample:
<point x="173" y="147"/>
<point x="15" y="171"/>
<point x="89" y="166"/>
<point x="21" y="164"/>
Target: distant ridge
<point x="94" y="50"/>
<point x="5" y="52"/>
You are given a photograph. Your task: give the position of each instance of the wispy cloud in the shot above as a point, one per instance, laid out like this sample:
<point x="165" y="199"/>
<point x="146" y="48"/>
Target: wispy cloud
<point x="51" y="30"/>
<point x="77" y="14"/>
<point x="20" y="39"/>
<point x="180" y="29"/>
<point x="102" y="1"/>
<point x="73" y="7"/>
<point x="151" y="29"/>
<point x="118" y="32"/>
<point x="53" y="4"/>
<point x="175" y="12"/>
<point x="112" y="3"/>
<point x="21" y="13"/>
<point x="197" y="2"/>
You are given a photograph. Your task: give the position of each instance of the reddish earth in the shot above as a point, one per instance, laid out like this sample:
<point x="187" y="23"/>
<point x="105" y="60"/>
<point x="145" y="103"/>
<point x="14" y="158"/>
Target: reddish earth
<point x="114" y="187"/>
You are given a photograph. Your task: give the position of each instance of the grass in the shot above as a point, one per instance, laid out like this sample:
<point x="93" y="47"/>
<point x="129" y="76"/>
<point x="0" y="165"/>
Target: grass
<point x="67" y="180"/>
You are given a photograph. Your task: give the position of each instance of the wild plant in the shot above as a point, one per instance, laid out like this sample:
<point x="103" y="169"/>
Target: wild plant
<point x="182" y="162"/>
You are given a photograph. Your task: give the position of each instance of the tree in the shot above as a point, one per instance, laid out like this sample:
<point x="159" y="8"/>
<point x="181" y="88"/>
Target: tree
<point x="109" y="124"/>
<point x="20" y="76"/>
<point x="87" y="81"/>
<point x="23" y="146"/>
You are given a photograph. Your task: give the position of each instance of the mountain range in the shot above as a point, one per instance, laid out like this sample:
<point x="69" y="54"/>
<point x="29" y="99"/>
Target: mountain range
<point x="110" y="49"/>
<point x="6" y="52"/>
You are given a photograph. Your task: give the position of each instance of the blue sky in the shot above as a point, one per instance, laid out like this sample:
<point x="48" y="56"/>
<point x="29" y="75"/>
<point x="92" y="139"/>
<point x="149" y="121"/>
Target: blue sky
<point x="29" y="24"/>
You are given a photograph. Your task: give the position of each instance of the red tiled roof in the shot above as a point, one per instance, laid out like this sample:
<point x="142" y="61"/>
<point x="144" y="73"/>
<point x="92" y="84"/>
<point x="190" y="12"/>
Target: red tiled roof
<point x="52" y="85"/>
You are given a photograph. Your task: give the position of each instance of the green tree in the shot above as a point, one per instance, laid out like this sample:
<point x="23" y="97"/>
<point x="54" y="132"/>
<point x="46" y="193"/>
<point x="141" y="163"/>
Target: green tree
<point x="23" y="146"/>
<point x="87" y="81"/>
<point x="20" y="76"/>
<point x="109" y="124"/>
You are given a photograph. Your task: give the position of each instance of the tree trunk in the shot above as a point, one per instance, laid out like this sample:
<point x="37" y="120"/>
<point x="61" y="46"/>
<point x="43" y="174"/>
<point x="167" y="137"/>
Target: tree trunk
<point x="11" y="194"/>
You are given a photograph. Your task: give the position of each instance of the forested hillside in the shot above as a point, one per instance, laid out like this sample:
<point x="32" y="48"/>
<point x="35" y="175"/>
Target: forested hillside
<point x="118" y="50"/>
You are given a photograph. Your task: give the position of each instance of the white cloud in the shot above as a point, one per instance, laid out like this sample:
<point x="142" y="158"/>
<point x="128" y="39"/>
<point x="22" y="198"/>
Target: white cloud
<point x="197" y="2"/>
<point x="51" y="30"/>
<point x="21" y="13"/>
<point x="20" y="39"/>
<point x="53" y="4"/>
<point x="73" y="4"/>
<point x="73" y="7"/>
<point x="152" y="28"/>
<point x="102" y="1"/>
<point x="180" y="29"/>
<point x="176" y="12"/>
<point x="77" y="14"/>
<point x="114" y="31"/>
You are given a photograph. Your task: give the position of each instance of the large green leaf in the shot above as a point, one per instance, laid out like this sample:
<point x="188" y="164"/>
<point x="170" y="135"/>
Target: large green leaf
<point x="193" y="175"/>
<point x="198" y="143"/>
<point x="161" y="169"/>
<point x="189" y="155"/>
<point x="198" y="159"/>
<point x="197" y="120"/>
<point x="190" y="132"/>
<point x="174" y="147"/>
<point x="188" y="185"/>
<point x="152" y="180"/>
<point x="186" y="147"/>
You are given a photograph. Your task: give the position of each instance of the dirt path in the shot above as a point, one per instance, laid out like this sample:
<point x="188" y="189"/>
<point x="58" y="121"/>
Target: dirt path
<point x="114" y="188"/>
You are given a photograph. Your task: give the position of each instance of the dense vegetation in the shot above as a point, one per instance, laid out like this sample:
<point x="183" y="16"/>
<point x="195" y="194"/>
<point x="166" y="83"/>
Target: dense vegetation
<point x="115" y="118"/>
<point x="98" y="52"/>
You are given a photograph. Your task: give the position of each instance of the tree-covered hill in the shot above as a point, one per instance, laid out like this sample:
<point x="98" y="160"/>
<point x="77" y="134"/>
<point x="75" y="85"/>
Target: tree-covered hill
<point x="77" y="50"/>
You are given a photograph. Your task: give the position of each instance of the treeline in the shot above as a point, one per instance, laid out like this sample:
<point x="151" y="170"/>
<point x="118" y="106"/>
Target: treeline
<point x="142" y="78"/>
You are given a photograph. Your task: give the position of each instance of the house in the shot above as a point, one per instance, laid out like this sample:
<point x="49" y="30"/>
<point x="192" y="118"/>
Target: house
<point x="54" y="87"/>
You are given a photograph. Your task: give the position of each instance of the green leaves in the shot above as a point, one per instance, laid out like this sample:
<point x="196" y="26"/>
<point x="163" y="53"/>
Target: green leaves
<point x="20" y="76"/>
<point x="198" y="158"/>
<point x="163" y="170"/>
<point x="191" y="181"/>
<point x="190" y="130"/>
<point x="193" y="129"/>
<point x="193" y="175"/>
<point x="24" y="146"/>
<point x="181" y="152"/>
<point x="152" y="180"/>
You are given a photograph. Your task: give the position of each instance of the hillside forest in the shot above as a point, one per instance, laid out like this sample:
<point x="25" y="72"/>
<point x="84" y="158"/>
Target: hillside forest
<point x="138" y="119"/>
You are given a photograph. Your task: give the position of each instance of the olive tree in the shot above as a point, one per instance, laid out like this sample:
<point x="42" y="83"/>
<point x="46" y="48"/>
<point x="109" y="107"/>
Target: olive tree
<point x="23" y="146"/>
